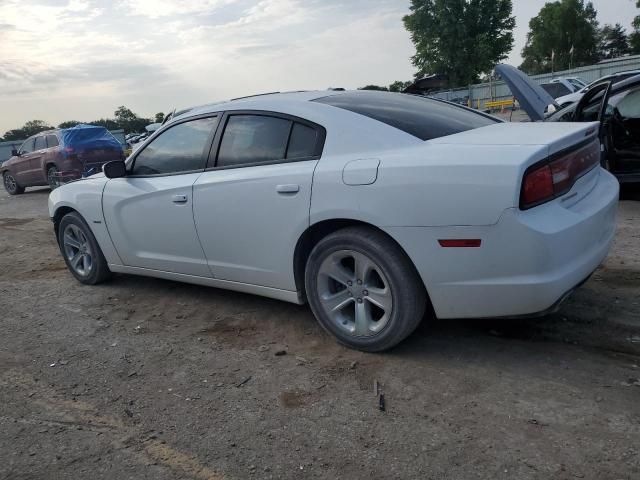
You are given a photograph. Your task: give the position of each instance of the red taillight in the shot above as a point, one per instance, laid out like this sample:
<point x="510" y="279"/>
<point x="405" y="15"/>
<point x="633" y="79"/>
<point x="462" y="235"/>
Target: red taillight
<point x="557" y="176"/>
<point x="537" y="186"/>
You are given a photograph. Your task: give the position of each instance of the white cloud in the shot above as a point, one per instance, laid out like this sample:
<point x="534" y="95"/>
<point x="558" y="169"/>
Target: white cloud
<point x="165" y="8"/>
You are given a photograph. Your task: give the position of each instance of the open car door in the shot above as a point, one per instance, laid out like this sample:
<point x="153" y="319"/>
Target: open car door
<point x="592" y="108"/>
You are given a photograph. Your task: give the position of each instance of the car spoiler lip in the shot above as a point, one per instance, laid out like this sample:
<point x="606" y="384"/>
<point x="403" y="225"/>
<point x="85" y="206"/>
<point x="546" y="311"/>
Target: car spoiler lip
<point x="531" y="96"/>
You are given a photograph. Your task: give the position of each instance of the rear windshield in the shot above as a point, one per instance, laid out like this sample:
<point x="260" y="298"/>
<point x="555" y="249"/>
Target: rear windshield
<point x="421" y="117"/>
<point x="556" y="90"/>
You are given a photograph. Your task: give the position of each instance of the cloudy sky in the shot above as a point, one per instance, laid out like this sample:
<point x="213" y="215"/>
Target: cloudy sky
<point x="80" y="59"/>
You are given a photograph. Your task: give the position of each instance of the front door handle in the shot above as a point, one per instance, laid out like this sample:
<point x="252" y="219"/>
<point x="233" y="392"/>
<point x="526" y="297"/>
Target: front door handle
<point x="180" y="198"/>
<point x="288" y="189"/>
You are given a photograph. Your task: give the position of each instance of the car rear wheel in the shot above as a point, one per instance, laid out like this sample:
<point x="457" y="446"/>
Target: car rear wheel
<point x="52" y="177"/>
<point x="11" y="184"/>
<point x="81" y="251"/>
<point x="364" y="290"/>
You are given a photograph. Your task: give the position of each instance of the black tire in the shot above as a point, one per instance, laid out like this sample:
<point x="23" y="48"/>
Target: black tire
<point x="409" y="298"/>
<point x="52" y="178"/>
<point x="11" y="184"/>
<point x="99" y="270"/>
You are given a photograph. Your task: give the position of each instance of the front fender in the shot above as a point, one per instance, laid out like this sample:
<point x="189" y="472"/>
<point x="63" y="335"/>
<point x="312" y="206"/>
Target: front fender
<point x="85" y="197"/>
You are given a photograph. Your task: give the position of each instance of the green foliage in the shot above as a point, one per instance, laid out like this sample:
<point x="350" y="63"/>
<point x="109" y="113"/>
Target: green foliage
<point x="159" y="117"/>
<point x="30" y="128"/>
<point x="129" y="121"/>
<point x="614" y="42"/>
<point x="375" y="87"/>
<point x="125" y="119"/>
<point x="559" y="27"/>
<point x="460" y="38"/>
<point x="399" y="86"/>
<point x="634" y="38"/>
<point x="69" y="124"/>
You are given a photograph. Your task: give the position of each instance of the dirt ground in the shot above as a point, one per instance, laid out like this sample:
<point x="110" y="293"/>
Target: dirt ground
<point x="143" y="378"/>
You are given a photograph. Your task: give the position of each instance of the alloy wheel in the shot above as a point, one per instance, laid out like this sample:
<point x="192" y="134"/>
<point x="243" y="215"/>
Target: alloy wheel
<point x="355" y="293"/>
<point x="10" y="182"/>
<point x="77" y="250"/>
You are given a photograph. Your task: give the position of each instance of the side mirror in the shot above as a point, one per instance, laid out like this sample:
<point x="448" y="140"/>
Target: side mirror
<point x="15" y="153"/>
<point x="115" y="169"/>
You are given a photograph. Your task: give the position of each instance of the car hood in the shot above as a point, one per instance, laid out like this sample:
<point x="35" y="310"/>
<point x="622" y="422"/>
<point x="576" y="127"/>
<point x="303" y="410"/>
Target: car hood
<point x="531" y="96"/>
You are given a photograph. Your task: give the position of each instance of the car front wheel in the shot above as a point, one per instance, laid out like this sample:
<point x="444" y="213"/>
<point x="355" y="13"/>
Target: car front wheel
<point x="11" y="184"/>
<point x="364" y="290"/>
<point x="81" y="251"/>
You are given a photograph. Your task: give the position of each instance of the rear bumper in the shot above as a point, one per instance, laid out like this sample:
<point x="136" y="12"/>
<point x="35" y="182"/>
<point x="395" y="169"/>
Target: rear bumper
<point x="528" y="261"/>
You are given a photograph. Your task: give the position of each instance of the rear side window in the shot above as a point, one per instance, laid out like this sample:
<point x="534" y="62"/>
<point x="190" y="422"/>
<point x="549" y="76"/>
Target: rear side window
<point x="418" y="116"/>
<point x="182" y="148"/>
<point x="27" y="146"/>
<point x="257" y="139"/>
<point x="41" y="144"/>
<point x="52" y="141"/>
<point x="303" y="141"/>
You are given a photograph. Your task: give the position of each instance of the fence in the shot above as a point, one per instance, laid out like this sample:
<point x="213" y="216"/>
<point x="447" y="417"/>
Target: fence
<point x="496" y="91"/>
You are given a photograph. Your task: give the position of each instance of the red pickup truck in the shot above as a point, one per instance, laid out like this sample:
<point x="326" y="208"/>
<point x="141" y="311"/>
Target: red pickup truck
<point x="58" y="156"/>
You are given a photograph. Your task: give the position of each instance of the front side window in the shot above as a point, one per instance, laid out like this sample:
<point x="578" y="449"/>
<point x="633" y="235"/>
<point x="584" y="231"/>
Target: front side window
<point x="27" y="146"/>
<point x="556" y="90"/>
<point x="181" y="148"/>
<point x="52" y="141"/>
<point x="41" y="144"/>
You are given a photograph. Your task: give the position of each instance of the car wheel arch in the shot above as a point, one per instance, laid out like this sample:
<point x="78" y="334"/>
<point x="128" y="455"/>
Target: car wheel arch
<point x="316" y="232"/>
<point x="60" y="214"/>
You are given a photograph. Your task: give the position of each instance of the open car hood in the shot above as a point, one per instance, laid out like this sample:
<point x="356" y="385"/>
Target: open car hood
<point x="531" y="96"/>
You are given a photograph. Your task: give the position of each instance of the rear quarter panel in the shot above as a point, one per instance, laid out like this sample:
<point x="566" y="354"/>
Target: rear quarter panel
<point x="428" y="185"/>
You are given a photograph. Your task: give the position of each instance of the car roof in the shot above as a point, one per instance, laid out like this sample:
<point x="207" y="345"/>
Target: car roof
<point x="262" y="101"/>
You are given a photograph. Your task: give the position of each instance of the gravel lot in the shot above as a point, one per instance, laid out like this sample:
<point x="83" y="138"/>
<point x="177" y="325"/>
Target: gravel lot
<point x="144" y="378"/>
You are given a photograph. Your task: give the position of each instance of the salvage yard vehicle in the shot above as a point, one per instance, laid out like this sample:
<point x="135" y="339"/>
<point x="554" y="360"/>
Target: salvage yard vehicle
<point x="614" y="105"/>
<point x="572" y="98"/>
<point x="373" y="207"/>
<point x="59" y="156"/>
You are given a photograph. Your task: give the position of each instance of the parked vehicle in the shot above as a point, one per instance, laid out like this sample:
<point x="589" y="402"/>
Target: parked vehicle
<point x="418" y="206"/>
<point x="59" y="156"/>
<point x="559" y="87"/>
<point x="567" y="100"/>
<point x="615" y="105"/>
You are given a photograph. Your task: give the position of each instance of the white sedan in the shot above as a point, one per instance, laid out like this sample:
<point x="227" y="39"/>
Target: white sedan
<point x="375" y="208"/>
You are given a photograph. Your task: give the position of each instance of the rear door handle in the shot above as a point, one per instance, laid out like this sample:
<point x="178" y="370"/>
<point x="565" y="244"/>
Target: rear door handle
<point x="288" y="189"/>
<point x="180" y="198"/>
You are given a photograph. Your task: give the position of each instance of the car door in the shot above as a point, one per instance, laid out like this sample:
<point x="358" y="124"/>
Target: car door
<point x="622" y="126"/>
<point x="36" y="160"/>
<point x="149" y="212"/>
<point x="22" y="163"/>
<point x="252" y="204"/>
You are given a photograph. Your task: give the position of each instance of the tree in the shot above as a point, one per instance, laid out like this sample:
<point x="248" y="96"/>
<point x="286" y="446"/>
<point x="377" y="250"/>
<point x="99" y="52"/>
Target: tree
<point x="159" y="117"/>
<point x="634" y="38"/>
<point x="375" y="87"/>
<point x="399" y="86"/>
<point x="614" y="42"/>
<point x="107" y="123"/>
<point x="129" y="121"/>
<point x="30" y="128"/>
<point x="563" y="35"/>
<point x="460" y="38"/>
<point x="69" y="124"/>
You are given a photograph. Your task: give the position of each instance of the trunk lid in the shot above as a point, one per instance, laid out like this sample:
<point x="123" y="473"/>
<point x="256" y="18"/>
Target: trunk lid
<point x="556" y="136"/>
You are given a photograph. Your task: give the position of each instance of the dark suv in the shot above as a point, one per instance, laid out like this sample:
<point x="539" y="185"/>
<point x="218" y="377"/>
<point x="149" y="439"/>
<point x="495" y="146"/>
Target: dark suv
<point x="57" y="156"/>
